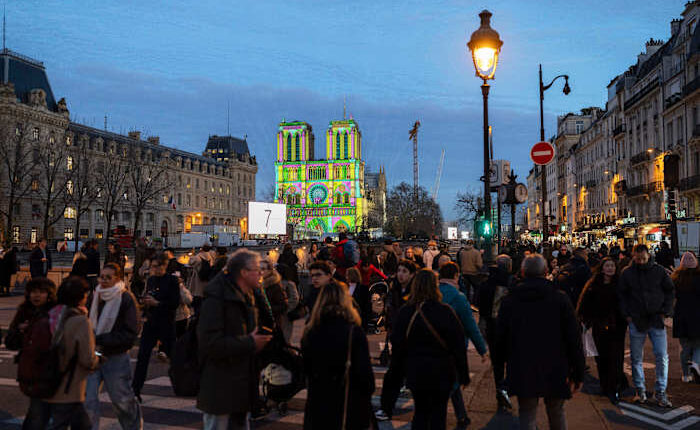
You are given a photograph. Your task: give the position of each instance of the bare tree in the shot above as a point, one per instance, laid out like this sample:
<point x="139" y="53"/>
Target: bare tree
<point x="15" y="165"/>
<point x="51" y="164"/>
<point x="82" y="191"/>
<point x="112" y="174"/>
<point x="469" y="205"/>
<point x="146" y="180"/>
<point x="268" y="194"/>
<point x="408" y="216"/>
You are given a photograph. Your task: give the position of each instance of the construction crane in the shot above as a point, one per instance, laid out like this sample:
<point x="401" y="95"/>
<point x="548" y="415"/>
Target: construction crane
<point x="436" y="186"/>
<point x="413" y="135"/>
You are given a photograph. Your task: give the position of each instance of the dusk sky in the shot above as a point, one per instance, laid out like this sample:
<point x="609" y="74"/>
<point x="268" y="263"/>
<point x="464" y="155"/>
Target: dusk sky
<point x="170" y="68"/>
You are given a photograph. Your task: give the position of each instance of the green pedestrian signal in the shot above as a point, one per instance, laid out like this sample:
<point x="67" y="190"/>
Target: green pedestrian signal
<point x="484" y="228"/>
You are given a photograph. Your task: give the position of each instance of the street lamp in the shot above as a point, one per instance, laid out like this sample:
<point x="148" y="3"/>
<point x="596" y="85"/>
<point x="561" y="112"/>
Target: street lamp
<point x="485" y="45"/>
<point x="566" y="90"/>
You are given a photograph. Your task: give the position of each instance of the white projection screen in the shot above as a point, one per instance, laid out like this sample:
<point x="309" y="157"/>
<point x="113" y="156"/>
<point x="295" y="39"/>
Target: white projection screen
<point x="267" y="218"/>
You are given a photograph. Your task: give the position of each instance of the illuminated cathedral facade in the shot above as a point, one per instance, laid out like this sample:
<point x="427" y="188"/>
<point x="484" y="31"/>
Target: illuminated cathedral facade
<point x="322" y="195"/>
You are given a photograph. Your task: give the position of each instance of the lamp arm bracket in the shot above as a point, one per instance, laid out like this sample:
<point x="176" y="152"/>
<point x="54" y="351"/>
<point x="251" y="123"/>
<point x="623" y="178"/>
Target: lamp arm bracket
<point x="546" y="87"/>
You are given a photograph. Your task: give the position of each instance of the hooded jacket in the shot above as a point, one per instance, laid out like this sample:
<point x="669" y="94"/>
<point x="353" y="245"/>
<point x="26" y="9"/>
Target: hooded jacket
<point x="470" y="260"/>
<point x="646" y="295"/>
<point x="456" y="300"/>
<point x="539" y="338"/>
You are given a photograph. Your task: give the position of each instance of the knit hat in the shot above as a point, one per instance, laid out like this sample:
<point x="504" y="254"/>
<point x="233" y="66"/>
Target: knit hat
<point x="688" y="261"/>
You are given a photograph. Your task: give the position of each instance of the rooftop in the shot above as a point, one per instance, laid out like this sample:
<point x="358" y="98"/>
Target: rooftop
<point x="26" y="74"/>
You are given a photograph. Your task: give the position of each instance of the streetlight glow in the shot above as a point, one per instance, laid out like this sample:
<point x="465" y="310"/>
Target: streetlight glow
<point x="484" y="59"/>
<point x="485" y="44"/>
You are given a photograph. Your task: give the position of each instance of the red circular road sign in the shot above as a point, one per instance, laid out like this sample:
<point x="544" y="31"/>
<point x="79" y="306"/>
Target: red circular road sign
<point x="542" y="153"/>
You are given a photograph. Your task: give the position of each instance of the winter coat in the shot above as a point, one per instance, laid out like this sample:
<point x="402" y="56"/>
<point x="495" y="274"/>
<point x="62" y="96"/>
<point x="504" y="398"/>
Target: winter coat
<point x="540" y="340"/>
<point x="599" y="307"/>
<point x="369" y="272"/>
<point x="80" y="268"/>
<point x="93" y="257"/>
<point x="686" y="314"/>
<point x="118" y="258"/>
<point x="426" y="364"/>
<point x="396" y="298"/>
<point x="362" y="302"/>
<point x="428" y="256"/>
<point x="573" y="277"/>
<point x="226" y="349"/>
<point x="470" y="261"/>
<point x="276" y="296"/>
<point x="196" y="285"/>
<point x="289" y="259"/>
<point x="36" y="266"/>
<point x="664" y="257"/>
<point x="78" y="338"/>
<point x="646" y="295"/>
<point x="458" y="302"/>
<point x="338" y="256"/>
<point x="325" y="349"/>
<point x="165" y="289"/>
<point x="125" y="331"/>
<point x="26" y="313"/>
<point x="486" y="294"/>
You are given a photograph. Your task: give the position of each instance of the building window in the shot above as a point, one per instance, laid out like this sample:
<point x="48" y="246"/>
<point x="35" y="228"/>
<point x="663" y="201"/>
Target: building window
<point x="289" y="148"/>
<point x="68" y="233"/>
<point x="69" y="187"/>
<point x="35" y="185"/>
<point x="188" y="200"/>
<point x="99" y="215"/>
<point x="34" y="236"/>
<point x="337" y="145"/>
<point x="69" y="213"/>
<point x="345" y="146"/>
<point x="15" y="234"/>
<point x="196" y="201"/>
<point x="35" y="133"/>
<point x="69" y="163"/>
<point x="98" y="233"/>
<point x="297" y="150"/>
<point x="69" y="141"/>
<point x="179" y="199"/>
<point x="84" y="233"/>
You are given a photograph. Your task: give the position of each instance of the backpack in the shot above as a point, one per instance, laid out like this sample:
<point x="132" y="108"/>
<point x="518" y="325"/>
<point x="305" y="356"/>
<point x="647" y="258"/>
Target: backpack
<point x="351" y="253"/>
<point x="204" y="270"/>
<point x="39" y="365"/>
<point x="185" y="370"/>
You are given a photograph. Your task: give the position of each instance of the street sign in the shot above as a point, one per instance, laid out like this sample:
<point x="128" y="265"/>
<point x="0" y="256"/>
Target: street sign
<point x="542" y="153"/>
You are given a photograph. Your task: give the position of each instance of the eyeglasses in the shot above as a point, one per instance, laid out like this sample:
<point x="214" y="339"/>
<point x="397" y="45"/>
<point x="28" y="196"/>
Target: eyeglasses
<point x="317" y="274"/>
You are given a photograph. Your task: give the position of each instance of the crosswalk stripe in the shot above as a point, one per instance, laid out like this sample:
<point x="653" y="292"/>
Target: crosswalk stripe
<point x="668" y="416"/>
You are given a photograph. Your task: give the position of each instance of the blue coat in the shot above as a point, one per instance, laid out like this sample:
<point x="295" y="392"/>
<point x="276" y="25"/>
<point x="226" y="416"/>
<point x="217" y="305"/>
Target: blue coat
<point x="456" y="300"/>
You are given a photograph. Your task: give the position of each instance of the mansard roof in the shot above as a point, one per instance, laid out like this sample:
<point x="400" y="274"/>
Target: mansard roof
<point x="26" y="74"/>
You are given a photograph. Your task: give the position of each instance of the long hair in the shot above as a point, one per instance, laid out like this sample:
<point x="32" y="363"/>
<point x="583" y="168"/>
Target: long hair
<point x="598" y="279"/>
<point x="425" y="287"/>
<point x="333" y="299"/>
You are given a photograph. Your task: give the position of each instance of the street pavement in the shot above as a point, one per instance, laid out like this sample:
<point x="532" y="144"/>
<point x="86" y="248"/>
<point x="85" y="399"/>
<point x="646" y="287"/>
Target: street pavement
<point x="587" y="410"/>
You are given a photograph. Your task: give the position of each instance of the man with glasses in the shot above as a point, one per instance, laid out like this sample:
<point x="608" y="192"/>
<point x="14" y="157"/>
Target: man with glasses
<point x="229" y="338"/>
<point x="160" y="302"/>
<point x="321" y="275"/>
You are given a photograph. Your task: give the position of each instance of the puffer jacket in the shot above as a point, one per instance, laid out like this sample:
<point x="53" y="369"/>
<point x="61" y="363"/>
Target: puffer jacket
<point x="646" y="295"/>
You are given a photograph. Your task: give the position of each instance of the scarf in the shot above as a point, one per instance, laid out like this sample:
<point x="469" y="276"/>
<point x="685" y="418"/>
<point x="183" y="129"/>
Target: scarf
<point x="113" y="301"/>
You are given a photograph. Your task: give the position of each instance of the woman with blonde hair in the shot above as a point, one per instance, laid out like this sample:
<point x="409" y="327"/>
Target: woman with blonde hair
<point x="429" y="349"/>
<point x="336" y="363"/>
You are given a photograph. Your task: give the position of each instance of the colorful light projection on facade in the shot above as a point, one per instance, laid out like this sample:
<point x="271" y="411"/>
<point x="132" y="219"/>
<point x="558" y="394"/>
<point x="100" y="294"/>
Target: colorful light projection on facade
<point x="321" y="195"/>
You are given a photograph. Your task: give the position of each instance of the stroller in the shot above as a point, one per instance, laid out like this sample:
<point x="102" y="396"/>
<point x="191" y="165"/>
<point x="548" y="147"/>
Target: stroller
<point x="377" y="294"/>
<point x="283" y="376"/>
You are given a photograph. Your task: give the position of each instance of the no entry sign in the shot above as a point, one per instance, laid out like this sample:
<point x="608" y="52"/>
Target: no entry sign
<point x="542" y="153"/>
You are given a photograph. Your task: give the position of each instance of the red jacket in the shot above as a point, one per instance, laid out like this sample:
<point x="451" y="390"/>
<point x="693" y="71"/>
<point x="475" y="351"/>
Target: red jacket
<point x="338" y="257"/>
<point x="367" y="272"/>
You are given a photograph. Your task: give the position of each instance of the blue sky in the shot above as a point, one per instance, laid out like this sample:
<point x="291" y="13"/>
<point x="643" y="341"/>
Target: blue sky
<point x="170" y="68"/>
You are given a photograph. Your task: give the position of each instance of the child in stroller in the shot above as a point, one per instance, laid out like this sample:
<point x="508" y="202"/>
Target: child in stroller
<point x="283" y="374"/>
<point x="377" y="318"/>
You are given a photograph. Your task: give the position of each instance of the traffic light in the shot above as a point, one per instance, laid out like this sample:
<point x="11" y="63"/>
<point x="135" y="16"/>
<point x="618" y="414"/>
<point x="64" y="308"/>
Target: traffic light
<point x="484" y="228"/>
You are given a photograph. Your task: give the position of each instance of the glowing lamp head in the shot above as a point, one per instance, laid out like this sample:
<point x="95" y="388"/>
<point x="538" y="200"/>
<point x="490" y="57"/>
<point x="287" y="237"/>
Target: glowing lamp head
<point x="485" y="45"/>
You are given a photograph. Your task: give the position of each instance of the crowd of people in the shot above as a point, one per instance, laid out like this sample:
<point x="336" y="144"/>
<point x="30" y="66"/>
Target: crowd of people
<point x="242" y="306"/>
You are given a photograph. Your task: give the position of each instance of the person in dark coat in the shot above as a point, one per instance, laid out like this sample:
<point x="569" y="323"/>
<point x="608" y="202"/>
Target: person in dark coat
<point x="114" y="317"/>
<point x="93" y="256"/>
<point x="573" y="277"/>
<point x="174" y="265"/>
<point x="80" y="266"/>
<point x="598" y="309"/>
<point x="664" y="256"/>
<point x="289" y="259"/>
<point x="489" y="299"/>
<point x="359" y="292"/>
<point x="539" y="339"/>
<point x="646" y="296"/>
<point x="686" y="315"/>
<point x="333" y="334"/>
<point x="115" y="255"/>
<point x="40" y="260"/>
<point x="228" y="341"/>
<point x="39" y="298"/>
<point x="8" y="267"/>
<point x="430" y="350"/>
<point x="161" y="300"/>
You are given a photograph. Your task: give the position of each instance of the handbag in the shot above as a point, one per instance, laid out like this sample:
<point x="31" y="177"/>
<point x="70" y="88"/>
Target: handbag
<point x="347" y="378"/>
<point x="589" y="348"/>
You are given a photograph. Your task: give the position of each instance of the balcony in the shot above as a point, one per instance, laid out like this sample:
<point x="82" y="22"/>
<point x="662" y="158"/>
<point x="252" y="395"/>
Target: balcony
<point x="621" y="187"/>
<point x="689" y="183"/>
<point x="640" y="158"/>
<point x="645" y="189"/>
<point x="691" y="86"/>
<point x="620" y="129"/>
<point x="641" y="94"/>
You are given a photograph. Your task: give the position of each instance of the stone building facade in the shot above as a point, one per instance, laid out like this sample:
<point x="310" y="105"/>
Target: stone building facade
<point x="212" y="188"/>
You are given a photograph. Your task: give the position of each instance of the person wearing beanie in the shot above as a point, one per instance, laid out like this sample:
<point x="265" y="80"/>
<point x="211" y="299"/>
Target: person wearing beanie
<point x="686" y="318"/>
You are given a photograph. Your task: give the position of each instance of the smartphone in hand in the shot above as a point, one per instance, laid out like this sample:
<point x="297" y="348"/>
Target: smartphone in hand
<point x="265" y="330"/>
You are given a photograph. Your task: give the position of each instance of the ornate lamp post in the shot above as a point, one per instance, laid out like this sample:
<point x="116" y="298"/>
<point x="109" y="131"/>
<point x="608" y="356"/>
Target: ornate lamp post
<point x="543" y="186"/>
<point x="485" y="45"/>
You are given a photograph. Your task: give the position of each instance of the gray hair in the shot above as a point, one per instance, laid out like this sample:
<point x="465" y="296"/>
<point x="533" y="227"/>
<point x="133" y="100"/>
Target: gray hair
<point x="534" y="266"/>
<point x="240" y="260"/>
<point x="504" y="262"/>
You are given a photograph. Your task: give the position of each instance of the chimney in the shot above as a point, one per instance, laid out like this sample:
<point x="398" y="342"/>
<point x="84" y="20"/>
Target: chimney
<point x="136" y="135"/>
<point x="154" y="140"/>
<point x="675" y="26"/>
